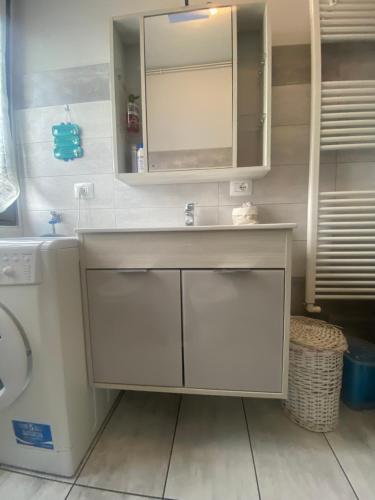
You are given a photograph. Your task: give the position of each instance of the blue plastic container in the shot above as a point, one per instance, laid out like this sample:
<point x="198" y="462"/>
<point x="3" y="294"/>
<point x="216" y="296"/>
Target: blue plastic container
<point x="358" y="383"/>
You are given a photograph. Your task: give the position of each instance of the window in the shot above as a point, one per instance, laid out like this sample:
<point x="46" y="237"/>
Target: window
<point x="10" y="216"/>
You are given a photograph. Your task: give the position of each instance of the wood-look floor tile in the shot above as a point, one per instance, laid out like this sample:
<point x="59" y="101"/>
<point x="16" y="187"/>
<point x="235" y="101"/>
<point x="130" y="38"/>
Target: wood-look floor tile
<point x="211" y="458"/>
<point x="21" y="487"/>
<point x="354" y="445"/>
<point x="133" y="452"/>
<point x="292" y="463"/>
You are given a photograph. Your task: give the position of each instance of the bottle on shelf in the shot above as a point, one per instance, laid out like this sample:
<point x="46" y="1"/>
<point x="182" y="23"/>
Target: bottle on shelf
<point x="140" y="159"/>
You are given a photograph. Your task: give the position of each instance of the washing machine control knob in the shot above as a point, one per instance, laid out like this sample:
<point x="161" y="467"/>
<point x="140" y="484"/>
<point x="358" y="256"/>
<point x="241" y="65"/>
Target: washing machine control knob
<point x="8" y="270"/>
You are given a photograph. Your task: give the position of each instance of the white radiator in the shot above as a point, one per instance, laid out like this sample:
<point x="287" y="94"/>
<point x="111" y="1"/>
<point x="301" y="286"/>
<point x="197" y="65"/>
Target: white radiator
<point x="345" y="259"/>
<point x="341" y="225"/>
<point x="345" y="20"/>
<point x="348" y="115"/>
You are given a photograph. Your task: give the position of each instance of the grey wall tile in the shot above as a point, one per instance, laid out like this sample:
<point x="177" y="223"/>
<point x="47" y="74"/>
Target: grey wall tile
<point x="327" y="178"/>
<point x="298" y="296"/>
<point x="291" y="105"/>
<point x="299" y="259"/>
<point x="46" y="193"/>
<point x="284" y="184"/>
<point x="356" y="156"/>
<point x="63" y="86"/>
<point x="35" y="124"/>
<point x="177" y="195"/>
<point x="355" y="176"/>
<point x="291" y="64"/>
<point x="328" y="157"/>
<point x="290" y="145"/>
<point x="293" y="212"/>
<point x="38" y="159"/>
<point x="348" y="61"/>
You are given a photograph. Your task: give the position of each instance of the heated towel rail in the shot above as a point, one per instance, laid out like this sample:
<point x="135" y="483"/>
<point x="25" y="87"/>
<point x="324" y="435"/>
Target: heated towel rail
<point x="341" y="224"/>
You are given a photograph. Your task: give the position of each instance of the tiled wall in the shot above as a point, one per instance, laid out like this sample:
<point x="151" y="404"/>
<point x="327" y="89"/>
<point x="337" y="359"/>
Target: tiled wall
<point x="48" y="183"/>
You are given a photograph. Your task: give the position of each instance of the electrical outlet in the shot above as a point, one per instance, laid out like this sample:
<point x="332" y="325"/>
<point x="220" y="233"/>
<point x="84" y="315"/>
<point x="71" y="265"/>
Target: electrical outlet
<point x="84" y="190"/>
<point x="243" y="187"/>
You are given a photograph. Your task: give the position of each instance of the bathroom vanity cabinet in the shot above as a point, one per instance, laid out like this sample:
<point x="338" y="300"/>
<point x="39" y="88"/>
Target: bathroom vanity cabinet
<point x="189" y="310"/>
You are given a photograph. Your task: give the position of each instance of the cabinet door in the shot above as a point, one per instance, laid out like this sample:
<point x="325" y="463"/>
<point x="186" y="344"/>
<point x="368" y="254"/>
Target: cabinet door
<point x="135" y="326"/>
<point x="233" y="329"/>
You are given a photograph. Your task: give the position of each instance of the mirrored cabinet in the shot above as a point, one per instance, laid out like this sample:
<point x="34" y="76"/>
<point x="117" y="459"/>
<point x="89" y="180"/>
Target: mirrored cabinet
<point x="191" y="93"/>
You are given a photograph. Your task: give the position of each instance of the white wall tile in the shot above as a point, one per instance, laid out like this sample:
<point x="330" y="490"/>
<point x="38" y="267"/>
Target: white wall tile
<point x="47" y="193"/>
<point x="35" y="124"/>
<point x="38" y="159"/>
<point x="149" y="217"/>
<point x="274" y="213"/>
<point x="163" y="217"/>
<point x="165" y="195"/>
<point x="36" y="221"/>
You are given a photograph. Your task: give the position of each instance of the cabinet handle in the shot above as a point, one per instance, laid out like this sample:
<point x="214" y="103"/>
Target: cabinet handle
<point x="232" y="271"/>
<point x="132" y="271"/>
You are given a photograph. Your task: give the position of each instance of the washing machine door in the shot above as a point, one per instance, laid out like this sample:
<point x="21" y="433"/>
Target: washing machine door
<point x="15" y="359"/>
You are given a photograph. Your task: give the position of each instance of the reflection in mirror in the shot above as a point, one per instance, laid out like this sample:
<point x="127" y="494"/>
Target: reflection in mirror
<point x="127" y="89"/>
<point x="249" y="85"/>
<point x="189" y="89"/>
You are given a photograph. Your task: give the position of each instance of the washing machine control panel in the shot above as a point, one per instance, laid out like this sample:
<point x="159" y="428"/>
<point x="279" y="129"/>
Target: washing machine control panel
<point x="20" y="265"/>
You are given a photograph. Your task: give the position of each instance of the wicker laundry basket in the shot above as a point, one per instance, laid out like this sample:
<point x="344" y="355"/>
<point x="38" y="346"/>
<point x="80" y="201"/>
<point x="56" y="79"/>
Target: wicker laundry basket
<point x="315" y="373"/>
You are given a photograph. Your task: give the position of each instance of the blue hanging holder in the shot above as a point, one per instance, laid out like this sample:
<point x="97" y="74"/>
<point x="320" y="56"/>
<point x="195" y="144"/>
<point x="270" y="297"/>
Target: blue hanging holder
<point x="67" y="140"/>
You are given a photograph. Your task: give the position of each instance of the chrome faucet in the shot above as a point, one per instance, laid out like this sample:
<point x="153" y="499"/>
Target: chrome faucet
<point x="189" y="213"/>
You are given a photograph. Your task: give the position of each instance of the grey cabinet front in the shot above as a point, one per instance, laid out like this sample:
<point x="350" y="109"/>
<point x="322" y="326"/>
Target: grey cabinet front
<point x="135" y="326"/>
<point x="233" y="329"/>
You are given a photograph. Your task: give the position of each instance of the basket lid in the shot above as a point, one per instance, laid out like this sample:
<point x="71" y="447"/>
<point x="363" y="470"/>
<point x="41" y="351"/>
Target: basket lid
<point x="316" y="334"/>
<point x="361" y="350"/>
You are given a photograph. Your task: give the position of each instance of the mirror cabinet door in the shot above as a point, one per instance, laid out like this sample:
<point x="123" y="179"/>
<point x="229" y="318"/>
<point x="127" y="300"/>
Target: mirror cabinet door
<point x="189" y="86"/>
<point x="192" y="89"/>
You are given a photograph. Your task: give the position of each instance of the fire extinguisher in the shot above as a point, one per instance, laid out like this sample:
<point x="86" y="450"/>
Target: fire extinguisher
<point x="132" y="115"/>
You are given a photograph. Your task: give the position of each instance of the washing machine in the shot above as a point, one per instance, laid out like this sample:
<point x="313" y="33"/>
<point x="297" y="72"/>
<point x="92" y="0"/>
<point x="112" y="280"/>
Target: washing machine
<point x="49" y="413"/>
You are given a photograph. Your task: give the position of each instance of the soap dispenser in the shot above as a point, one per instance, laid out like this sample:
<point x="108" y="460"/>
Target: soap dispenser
<point x="55" y="219"/>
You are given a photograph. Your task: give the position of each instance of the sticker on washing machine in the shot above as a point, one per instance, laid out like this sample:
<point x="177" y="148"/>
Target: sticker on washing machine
<point x="32" y="434"/>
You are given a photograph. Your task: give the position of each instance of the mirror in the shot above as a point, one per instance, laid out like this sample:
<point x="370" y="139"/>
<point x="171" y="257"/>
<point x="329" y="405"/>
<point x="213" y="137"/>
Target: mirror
<point x="192" y="88"/>
<point x="188" y="68"/>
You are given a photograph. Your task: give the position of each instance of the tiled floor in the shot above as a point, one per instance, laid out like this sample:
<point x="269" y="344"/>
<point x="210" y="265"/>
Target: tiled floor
<point x="211" y="448"/>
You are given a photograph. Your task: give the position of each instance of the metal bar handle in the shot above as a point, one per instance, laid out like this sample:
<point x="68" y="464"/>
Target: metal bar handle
<point x="232" y="270"/>
<point x="132" y="271"/>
